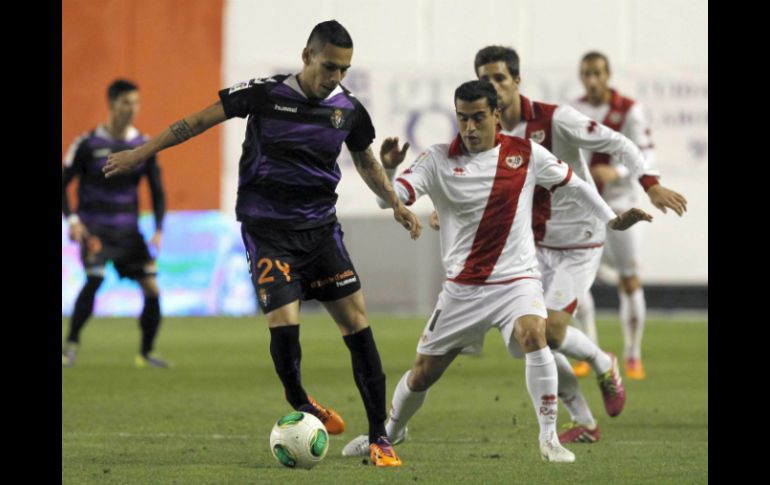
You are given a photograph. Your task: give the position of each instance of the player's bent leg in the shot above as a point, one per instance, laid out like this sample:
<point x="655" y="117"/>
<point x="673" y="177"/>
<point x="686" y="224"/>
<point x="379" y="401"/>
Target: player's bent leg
<point x="583" y="427"/>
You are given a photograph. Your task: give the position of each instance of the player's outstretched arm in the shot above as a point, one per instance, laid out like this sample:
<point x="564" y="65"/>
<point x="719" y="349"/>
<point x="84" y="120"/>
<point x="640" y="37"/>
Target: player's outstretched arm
<point x="374" y="176"/>
<point x="179" y="132"/>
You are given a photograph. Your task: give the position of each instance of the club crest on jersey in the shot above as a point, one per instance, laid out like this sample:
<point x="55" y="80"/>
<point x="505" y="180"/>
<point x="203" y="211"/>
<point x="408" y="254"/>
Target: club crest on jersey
<point x="537" y="136"/>
<point x="514" y="161"/>
<point x="101" y="152"/>
<point x="615" y="117"/>
<point x="337" y="118"/>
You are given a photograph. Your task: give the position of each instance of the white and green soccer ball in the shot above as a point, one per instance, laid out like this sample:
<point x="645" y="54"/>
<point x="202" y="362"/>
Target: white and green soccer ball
<point x="299" y="440"/>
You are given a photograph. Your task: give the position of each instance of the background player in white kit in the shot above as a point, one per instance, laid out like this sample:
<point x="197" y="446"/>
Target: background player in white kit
<point x="616" y="184"/>
<point x="482" y="185"/>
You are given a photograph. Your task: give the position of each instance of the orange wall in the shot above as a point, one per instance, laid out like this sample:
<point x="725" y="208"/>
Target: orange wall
<point x="172" y="50"/>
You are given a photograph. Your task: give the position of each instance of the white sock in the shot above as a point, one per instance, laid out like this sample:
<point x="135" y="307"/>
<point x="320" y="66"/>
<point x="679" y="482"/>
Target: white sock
<point x="540" y="372"/>
<point x="585" y="317"/>
<point x="570" y="394"/>
<point x="633" y="310"/>
<point x="578" y="346"/>
<point x="404" y="404"/>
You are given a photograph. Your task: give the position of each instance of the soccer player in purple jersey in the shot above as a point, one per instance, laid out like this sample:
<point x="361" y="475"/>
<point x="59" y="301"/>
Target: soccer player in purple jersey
<point x="286" y="205"/>
<point x="106" y="222"/>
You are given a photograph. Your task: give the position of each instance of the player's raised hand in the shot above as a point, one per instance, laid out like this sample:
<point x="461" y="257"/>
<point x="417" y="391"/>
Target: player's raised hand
<point x="662" y="197"/>
<point x="406" y="218"/>
<point x="121" y="162"/>
<point x="628" y="219"/>
<point x="390" y="154"/>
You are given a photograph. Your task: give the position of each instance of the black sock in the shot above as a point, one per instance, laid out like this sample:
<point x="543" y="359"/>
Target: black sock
<point x="287" y="355"/>
<point x="84" y="306"/>
<point x="370" y="380"/>
<point x="149" y="322"/>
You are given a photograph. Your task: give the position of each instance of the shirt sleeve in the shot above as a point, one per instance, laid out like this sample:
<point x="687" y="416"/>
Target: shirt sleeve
<point x="637" y="129"/>
<point x="244" y="98"/>
<point x="550" y="172"/>
<point x="417" y="180"/>
<point x="74" y="161"/>
<point x="580" y="130"/>
<point x="362" y="133"/>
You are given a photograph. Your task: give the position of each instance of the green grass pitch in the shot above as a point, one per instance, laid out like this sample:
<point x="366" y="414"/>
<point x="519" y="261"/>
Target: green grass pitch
<point x="208" y="419"/>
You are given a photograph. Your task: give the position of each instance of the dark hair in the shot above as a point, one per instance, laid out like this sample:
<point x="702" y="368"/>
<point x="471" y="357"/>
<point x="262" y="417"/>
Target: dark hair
<point x="594" y="55"/>
<point x="496" y="53"/>
<point x="331" y="32"/>
<point x="118" y="87"/>
<point x="473" y="90"/>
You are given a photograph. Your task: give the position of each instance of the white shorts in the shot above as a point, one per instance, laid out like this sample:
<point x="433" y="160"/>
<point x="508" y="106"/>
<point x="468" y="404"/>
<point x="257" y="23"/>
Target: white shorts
<point x="621" y="250"/>
<point x="465" y="313"/>
<point x="567" y="275"/>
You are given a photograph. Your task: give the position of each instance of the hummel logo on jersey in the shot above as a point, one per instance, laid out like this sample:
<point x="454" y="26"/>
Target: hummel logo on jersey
<point x="337" y="119"/>
<point x="514" y="162"/>
<point x="285" y="108"/>
<point x="537" y="136"/>
<point x="458" y="171"/>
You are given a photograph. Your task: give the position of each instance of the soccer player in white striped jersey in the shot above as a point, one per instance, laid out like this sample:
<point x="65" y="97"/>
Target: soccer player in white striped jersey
<point x="616" y="185"/>
<point x="569" y="245"/>
<point x="483" y="185"/>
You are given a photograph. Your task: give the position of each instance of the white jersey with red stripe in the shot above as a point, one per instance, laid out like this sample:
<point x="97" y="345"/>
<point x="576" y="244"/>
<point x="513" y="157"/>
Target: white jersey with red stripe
<point x="558" y="220"/>
<point x="626" y="116"/>
<point x="484" y="205"/>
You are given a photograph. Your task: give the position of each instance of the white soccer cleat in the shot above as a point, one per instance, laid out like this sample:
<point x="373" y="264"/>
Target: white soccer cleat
<point x="552" y="450"/>
<point x="359" y="446"/>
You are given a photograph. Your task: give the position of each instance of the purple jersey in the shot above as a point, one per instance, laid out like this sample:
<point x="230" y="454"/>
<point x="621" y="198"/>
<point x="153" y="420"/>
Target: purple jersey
<point x="288" y="168"/>
<point x="109" y="202"/>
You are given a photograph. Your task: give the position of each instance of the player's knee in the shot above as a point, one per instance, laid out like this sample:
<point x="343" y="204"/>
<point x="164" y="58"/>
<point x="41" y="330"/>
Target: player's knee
<point x="150" y="287"/>
<point x="554" y="335"/>
<point x="629" y="284"/>
<point x="530" y="333"/>
<point x="418" y="380"/>
<point x="556" y="328"/>
<point x="421" y="377"/>
<point x="93" y="282"/>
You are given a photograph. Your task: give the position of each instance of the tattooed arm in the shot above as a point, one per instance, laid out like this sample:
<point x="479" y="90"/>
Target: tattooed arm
<point x="175" y="134"/>
<point x="374" y="176"/>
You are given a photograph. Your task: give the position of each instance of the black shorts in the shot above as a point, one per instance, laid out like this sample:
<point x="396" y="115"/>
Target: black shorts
<point x="125" y="248"/>
<point x="287" y="265"/>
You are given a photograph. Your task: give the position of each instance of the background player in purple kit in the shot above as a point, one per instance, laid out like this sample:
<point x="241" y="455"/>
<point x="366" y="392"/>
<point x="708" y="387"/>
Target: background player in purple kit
<point x="286" y="205"/>
<point x="106" y="221"/>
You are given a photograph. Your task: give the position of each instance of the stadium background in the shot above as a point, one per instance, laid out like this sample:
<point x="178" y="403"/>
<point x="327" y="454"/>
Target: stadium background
<point x="408" y="58"/>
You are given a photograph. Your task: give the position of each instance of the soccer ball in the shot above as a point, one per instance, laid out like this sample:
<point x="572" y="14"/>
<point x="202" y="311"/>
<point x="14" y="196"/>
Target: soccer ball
<point x="299" y="440"/>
